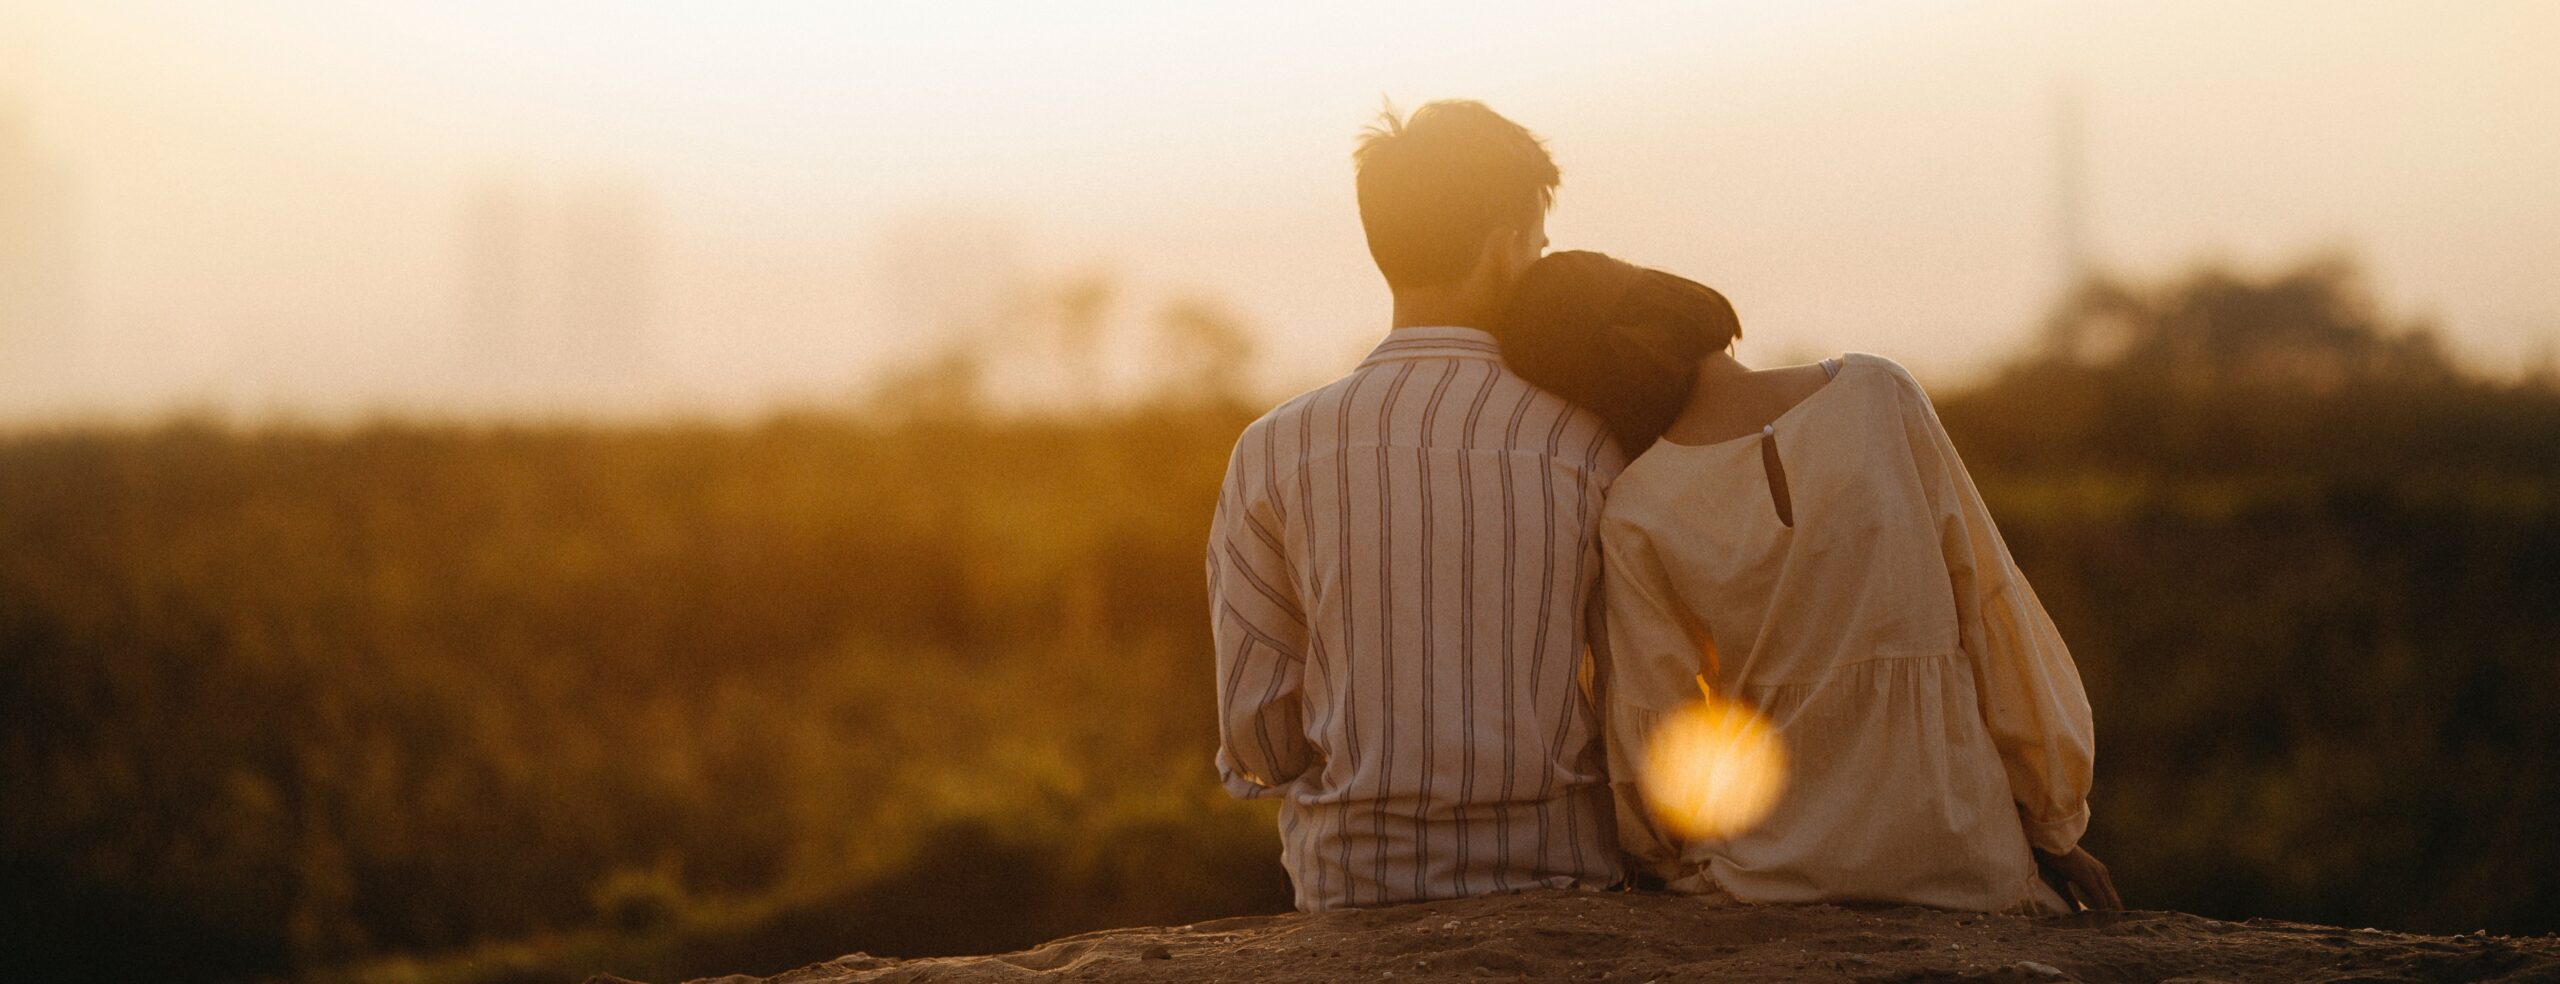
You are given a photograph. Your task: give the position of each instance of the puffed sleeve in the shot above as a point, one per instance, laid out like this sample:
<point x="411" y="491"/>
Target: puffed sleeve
<point x="1259" y="627"/>
<point x="2029" y="689"/>
<point x="1648" y="669"/>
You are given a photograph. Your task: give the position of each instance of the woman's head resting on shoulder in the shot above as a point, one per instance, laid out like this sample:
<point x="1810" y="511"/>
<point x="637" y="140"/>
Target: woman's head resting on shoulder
<point x="1620" y="340"/>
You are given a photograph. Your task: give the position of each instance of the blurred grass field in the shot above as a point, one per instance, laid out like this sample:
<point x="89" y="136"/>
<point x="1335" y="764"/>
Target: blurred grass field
<point x="407" y="702"/>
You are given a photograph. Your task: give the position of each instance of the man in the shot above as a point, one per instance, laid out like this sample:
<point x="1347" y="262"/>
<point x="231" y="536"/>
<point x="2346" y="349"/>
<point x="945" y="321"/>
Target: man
<point x="1401" y="564"/>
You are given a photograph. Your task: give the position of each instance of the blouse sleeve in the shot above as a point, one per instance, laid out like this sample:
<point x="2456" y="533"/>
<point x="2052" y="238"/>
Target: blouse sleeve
<point x="2029" y="689"/>
<point x="1648" y="668"/>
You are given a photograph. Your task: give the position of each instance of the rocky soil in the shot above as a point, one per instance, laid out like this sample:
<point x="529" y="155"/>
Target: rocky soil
<point x="1633" y="938"/>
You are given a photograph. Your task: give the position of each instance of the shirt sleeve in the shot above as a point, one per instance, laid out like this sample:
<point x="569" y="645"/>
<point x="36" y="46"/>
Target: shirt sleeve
<point x="1260" y="629"/>
<point x="2029" y="689"/>
<point x="1648" y="668"/>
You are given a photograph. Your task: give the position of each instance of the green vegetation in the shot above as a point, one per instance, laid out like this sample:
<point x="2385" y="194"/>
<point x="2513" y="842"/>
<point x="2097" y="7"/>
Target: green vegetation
<point x="442" y="703"/>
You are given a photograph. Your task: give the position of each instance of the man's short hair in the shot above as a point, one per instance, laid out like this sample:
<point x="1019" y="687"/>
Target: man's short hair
<point x="1434" y="185"/>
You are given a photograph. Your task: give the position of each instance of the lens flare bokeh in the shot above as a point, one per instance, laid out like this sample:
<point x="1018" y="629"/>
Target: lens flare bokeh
<point x="1714" y="769"/>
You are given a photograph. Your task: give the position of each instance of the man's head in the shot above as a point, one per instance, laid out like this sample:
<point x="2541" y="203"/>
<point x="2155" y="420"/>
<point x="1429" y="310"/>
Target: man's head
<point x="1454" y="199"/>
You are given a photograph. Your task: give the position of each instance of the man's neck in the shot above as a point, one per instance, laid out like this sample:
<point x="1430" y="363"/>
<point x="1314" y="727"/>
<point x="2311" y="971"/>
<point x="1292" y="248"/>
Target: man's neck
<point x="1440" y="307"/>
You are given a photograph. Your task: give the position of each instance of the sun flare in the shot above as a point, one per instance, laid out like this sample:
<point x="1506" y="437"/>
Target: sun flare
<point x="1714" y="770"/>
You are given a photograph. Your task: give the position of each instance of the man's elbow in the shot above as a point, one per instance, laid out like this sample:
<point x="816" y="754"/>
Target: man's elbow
<point x="1246" y="789"/>
<point x="1257" y="780"/>
<point x="1245" y="786"/>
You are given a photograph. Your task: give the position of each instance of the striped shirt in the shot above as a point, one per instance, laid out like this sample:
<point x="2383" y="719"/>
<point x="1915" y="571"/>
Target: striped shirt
<point x="1399" y="573"/>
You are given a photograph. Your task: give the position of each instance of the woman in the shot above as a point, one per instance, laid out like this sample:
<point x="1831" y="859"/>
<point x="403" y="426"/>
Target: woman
<point x="1805" y="541"/>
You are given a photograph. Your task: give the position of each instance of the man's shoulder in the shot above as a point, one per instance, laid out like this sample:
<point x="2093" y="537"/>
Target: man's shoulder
<point x="1523" y="417"/>
<point x="1284" y="426"/>
<point x="1296" y="409"/>
<point x="1286" y="423"/>
<point x="1572" y="433"/>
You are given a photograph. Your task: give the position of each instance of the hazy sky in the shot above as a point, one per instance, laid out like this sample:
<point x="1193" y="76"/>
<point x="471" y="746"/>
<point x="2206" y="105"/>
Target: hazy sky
<point x="271" y="196"/>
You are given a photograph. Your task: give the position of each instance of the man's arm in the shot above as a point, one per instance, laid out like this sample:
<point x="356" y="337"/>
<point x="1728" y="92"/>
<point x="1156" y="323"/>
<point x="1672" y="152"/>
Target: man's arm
<point x="1260" y="629"/>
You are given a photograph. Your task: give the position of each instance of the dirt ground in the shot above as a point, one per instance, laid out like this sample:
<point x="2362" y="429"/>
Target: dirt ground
<point x="1633" y="938"/>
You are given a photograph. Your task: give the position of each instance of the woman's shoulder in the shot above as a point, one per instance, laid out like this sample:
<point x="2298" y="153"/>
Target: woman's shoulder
<point x="1882" y="366"/>
<point x="1885" y="375"/>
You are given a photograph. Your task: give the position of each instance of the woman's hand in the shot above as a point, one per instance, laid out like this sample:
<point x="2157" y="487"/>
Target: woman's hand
<point x="2077" y="870"/>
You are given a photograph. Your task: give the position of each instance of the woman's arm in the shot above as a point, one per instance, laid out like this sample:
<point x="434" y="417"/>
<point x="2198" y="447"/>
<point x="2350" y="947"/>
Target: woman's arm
<point x="1647" y="667"/>
<point x="2028" y="688"/>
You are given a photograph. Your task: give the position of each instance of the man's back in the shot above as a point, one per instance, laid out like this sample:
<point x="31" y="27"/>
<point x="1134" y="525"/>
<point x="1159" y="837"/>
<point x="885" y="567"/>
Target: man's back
<point x="1399" y="572"/>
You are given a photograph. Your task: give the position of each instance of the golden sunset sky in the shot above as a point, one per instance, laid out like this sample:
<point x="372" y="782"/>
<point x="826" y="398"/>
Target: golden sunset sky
<point x="269" y="202"/>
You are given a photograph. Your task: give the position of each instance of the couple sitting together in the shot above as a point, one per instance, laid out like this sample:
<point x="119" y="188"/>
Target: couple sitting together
<point x="1455" y="591"/>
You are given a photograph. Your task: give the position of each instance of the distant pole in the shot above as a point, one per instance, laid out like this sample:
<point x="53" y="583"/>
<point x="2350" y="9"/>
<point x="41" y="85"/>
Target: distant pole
<point x="38" y="262"/>
<point x="2070" y="192"/>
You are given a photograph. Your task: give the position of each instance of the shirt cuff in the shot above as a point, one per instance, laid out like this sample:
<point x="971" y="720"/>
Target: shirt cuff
<point x="2057" y="836"/>
<point x="1246" y="789"/>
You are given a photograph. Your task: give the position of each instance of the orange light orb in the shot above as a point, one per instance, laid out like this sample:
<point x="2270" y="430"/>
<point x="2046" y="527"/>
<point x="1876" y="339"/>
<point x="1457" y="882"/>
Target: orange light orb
<point x="1713" y="770"/>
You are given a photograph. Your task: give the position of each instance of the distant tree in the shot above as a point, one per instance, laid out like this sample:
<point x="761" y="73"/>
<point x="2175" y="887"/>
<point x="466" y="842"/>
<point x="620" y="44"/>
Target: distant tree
<point x="1079" y="319"/>
<point x="1206" y="349"/>
<point x="952" y="385"/>
<point x="2312" y="327"/>
<point x="2219" y="369"/>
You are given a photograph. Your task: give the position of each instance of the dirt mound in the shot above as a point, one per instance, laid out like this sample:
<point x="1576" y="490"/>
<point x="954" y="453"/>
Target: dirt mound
<point x="1631" y="938"/>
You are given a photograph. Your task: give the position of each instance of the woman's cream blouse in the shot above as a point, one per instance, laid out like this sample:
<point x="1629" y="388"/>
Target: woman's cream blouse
<point x="1934" y="723"/>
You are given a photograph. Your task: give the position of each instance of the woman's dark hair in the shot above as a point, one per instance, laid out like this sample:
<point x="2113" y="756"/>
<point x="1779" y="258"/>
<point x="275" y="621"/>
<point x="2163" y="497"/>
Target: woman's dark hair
<point x="1620" y="340"/>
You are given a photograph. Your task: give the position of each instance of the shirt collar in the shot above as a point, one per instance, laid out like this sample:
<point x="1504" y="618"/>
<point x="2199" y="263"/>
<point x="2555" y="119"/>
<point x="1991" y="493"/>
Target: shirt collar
<point x="1448" y="342"/>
